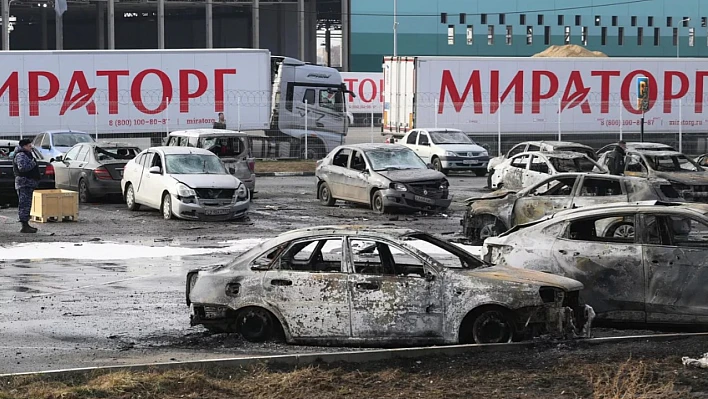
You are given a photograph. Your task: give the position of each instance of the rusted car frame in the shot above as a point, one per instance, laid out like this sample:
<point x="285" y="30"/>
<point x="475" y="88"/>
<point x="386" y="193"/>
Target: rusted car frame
<point x="656" y="274"/>
<point x="497" y="212"/>
<point x="375" y="286"/>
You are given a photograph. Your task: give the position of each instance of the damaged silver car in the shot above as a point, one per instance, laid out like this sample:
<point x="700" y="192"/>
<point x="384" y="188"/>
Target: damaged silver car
<point x="383" y="176"/>
<point x="375" y="286"/>
<point x="654" y="272"/>
<point x="494" y="213"/>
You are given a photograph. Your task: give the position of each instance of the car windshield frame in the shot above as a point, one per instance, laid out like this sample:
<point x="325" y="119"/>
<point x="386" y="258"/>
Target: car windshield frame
<point x="113" y="152"/>
<point x="676" y="159"/>
<point x="73" y="134"/>
<point x="439" y="136"/>
<point x="576" y="162"/>
<point x="378" y="163"/>
<point x="407" y="241"/>
<point x="214" y="166"/>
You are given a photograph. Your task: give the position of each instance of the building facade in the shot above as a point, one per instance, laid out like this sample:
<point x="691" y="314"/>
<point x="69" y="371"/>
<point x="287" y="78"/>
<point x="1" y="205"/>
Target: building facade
<point x="521" y="28"/>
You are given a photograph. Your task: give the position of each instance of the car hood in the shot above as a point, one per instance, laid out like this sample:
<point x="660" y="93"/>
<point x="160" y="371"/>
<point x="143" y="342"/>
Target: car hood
<point x="208" y="181"/>
<point x="523" y="276"/>
<point x="688" y="178"/>
<point x="503" y="193"/>
<point x="411" y="175"/>
<point x="461" y="147"/>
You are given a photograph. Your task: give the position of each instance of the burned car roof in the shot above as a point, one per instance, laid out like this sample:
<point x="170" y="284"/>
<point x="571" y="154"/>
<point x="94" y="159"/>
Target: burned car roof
<point x="375" y="146"/>
<point x="664" y="153"/>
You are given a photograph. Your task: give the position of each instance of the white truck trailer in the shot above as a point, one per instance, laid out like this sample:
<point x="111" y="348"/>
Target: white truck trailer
<point x="138" y="93"/>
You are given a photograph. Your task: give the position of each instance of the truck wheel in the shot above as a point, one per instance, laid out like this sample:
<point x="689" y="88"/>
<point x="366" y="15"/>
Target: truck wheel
<point x="377" y="203"/>
<point x="326" y="195"/>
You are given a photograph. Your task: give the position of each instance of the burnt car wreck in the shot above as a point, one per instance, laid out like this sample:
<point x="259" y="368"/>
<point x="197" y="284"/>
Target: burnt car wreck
<point x="375" y="286"/>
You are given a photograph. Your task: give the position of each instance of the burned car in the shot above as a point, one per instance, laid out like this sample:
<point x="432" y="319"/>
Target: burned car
<point x="360" y="285"/>
<point x="384" y="176"/>
<point x="655" y="271"/>
<point x="497" y="212"/>
<point x="525" y="169"/>
<point x="688" y="178"/>
<point x="637" y="146"/>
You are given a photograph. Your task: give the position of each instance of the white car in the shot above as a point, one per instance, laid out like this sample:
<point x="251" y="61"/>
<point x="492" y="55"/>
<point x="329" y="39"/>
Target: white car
<point x="528" y="168"/>
<point x="447" y="150"/>
<point x="184" y="182"/>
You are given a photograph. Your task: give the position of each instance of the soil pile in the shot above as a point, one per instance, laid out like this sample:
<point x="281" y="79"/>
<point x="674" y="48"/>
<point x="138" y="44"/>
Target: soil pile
<point x="569" y="50"/>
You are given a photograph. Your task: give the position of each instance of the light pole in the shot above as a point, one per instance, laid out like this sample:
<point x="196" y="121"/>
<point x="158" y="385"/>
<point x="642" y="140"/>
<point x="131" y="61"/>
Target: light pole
<point x="678" y="35"/>
<point x="395" y="28"/>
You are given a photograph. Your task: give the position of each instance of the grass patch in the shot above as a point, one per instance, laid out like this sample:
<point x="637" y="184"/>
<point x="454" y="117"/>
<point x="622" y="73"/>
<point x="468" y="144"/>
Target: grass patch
<point x="285" y="166"/>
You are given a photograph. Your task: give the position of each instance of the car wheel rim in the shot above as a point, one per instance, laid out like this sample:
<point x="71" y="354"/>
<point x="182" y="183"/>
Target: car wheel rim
<point x="624" y="231"/>
<point x="378" y="203"/>
<point x="488" y="230"/>
<point x="129" y="197"/>
<point x="167" y="207"/>
<point x="325" y="194"/>
<point x="254" y="325"/>
<point x="83" y="191"/>
<point x="436" y="165"/>
<point x="491" y="328"/>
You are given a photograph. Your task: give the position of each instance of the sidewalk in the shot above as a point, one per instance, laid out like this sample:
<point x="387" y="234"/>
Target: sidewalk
<point x="285" y="168"/>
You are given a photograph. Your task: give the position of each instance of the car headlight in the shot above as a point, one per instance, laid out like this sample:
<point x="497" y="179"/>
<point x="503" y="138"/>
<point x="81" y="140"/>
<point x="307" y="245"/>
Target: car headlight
<point x="241" y="192"/>
<point x="485" y="154"/>
<point x="450" y="154"/>
<point x="444" y="185"/>
<point x="398" y="186"/>
<point x="184" y="191"/>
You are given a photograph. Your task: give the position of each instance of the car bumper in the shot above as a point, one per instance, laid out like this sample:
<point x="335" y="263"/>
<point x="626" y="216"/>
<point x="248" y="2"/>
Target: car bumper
<point x="104" y="187"/>
<point x="203" y="211"/>
<point x="407" y="200"/>
<point x="464" y="163"/>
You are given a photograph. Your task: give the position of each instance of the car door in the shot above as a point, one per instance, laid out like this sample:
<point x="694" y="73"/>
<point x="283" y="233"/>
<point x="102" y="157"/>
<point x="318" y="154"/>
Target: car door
<point x="357" y="177"/>
<point x="599" y="190"/>
<point x="142" y="172"/>
<point x="424" y="148"/>
<point x="635" y="166"/>
<point x="308" y="286"/>
<point x="538" y="170"/>
<point x="154" y="184"/>
<point x="391" y="298"/>
<point x="610" y="268"/>
<point x="512" y="175"/>
<point x="62" y="168"/>
<point x="412" y="140"/>
<point x="548" y="197"/>
<point x="676" y="261"/>
<point x="336" y="176"/>
<point x="77" y="166"/>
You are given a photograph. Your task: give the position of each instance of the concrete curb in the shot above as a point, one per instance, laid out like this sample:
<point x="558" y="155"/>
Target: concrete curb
<point x="283" y="174"/>
<point x="362" y="356"/>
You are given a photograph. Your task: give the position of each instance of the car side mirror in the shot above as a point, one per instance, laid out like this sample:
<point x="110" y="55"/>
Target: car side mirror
<point x="365" y="172"/>
<point x="430" y="166"/>
<point x="46" y="147"/>
<point x="429" y="276"/>
<point x="59" y="158"/>
<point x="155" y="170"/>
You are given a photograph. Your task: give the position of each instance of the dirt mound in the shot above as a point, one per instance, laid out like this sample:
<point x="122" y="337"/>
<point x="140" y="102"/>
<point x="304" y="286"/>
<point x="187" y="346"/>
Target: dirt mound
<point x="569" y="50"/>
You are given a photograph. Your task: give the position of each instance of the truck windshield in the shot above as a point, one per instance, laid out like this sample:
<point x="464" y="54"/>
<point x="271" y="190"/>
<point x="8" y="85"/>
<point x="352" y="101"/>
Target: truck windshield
<point x="332" y="99"/>
<point x="193" y="164"/>
<point x="394" y="159"/>
<point x="71" y="139"/>
<point x="452" y="137"/>
<point x="672" y="163"/>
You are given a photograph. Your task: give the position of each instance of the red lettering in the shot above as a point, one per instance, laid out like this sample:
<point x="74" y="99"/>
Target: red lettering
<point x="605" y="88"/>
<point x="700" y="75"/>
<point x="629" y="84"/>
<point x="517" y="84"/>
<point x="137" y="96"/>
<point x="374" y="92"/>
<point x="113" y="88"/>
<point x="219" y="87"/>
<point x="579" y="96"/>
<point x="12" y="87"/>
<point x="34" y="96"/>
<point x="669" y="88"/>
<point x="447" y="85"/>
<point x="83" y="98"/>
<point x="381" y="91"/>
<point x="184" y="93"/>
<point x="350" y="85"/>
<point x="536" y="95"/>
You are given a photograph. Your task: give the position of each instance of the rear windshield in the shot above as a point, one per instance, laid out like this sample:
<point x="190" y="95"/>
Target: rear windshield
<point x="572" y="165"/>
<point x="71" y="139"/>
<point x="223" y="146"/>
<point x="581" y="150"/>
<point x="116" y="153"/>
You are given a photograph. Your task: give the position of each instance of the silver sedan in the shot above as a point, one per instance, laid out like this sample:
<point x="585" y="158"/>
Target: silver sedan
<point x="383" y="176"/>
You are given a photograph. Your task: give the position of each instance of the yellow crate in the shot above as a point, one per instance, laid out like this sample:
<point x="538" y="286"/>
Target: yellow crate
<point x="54" y="206"/>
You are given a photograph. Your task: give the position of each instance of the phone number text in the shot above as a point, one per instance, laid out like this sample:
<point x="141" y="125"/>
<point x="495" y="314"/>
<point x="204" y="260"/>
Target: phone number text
<point x="138" y="122"/>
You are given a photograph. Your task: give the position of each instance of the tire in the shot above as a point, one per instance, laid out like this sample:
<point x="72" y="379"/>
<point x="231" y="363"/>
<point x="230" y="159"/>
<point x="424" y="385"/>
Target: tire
<point x="325" y="195"/>
<point x="166" y="207"/>
<point x="130" y="198"/>
<point x="255" y="324"/>
<point x="84" y="194"/>
<point x="489" y="326"/>
<point x="621" y="230"/>
<point x="377" y="203"/>
<point x="481" y="173"/>
<point x="491" y="227"/>
<point x="437" y="164"/>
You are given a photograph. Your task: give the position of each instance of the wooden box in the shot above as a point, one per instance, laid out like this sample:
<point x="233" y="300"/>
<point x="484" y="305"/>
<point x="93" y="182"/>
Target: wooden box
<point x="54" y="205"/>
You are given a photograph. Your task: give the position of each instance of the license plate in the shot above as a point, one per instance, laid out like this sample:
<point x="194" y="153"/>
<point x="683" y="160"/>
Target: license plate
<point x="211" y="212"/>
<point x="423" y="199"/>
<point x="470" y="162"/>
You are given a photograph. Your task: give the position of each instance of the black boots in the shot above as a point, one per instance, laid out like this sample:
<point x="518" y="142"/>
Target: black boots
<point x="26" y="228"/>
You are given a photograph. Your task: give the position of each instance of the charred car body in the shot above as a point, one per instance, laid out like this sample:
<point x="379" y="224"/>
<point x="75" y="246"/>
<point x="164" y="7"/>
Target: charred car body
<point x="528" y="168"/>
<point x="497" y="212"/>
<point x="348" y="284"/>
<point x="384" y="176"/>
<point x="688" y="178"/>
<point x="655" y="273"/>
<point x="636" y="146"/>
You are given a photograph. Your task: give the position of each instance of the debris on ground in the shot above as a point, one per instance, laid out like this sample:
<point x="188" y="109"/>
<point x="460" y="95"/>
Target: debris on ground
<point x="701" y="363"/>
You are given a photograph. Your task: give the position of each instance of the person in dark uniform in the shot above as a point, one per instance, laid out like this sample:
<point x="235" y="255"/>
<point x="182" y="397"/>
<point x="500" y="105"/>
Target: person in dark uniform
<point x="615" y="159"/>
<point x="26" y="179"/>
<point x="221" y="123"/>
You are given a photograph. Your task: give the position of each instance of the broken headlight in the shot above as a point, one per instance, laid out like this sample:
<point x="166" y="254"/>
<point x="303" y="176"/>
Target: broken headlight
<point x="241" y="193"/>
<point x="444" y="185"/>
<point x="398" y="186"/>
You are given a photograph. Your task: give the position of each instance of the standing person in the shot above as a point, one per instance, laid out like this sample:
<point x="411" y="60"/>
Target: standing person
<point x="221" y="123"/>
<point x="615" y="159"/>
<point x="26" y="179"/>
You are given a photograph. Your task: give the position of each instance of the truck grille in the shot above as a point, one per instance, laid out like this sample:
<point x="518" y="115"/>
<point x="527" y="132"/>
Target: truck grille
<point x="214" y="193"/>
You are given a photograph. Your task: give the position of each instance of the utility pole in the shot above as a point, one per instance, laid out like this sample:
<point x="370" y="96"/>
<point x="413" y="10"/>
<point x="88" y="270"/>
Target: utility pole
<point x="395" y="28"/>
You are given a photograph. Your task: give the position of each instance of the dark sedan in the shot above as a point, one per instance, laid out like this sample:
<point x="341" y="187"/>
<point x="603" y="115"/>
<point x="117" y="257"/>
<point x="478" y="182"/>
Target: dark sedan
<point x="8" y="195"/>
<point x="93" y="169"/>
